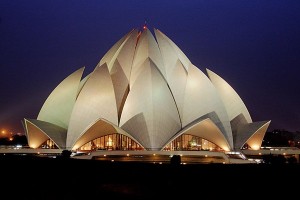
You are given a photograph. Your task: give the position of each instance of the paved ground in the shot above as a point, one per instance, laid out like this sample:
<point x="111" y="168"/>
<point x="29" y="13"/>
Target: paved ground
<point x="26" y="177"/>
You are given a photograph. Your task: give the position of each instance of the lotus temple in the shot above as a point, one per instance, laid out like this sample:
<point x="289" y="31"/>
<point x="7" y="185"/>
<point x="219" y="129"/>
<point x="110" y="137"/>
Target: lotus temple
<point x="145" y="95"/>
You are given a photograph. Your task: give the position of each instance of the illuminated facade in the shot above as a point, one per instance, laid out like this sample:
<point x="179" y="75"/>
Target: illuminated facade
<point x="144" y="94"/>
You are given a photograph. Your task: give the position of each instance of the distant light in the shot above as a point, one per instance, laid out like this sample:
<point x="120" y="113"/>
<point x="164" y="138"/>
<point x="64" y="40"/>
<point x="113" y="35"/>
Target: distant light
<point x="127" y="154"/>
<point x="104" y="155"/>
<point x="112" y="160"/>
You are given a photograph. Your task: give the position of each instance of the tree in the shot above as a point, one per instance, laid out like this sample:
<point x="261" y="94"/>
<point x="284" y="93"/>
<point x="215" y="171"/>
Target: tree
<point x="175" y="160"/>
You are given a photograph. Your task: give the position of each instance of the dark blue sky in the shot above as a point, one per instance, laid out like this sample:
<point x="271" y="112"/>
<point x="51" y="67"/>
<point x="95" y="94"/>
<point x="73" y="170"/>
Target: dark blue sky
<point x="254" y="45"/>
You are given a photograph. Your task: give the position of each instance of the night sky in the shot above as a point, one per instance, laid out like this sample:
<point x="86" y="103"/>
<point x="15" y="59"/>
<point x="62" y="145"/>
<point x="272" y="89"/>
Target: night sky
<point x="254" y="45"/>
